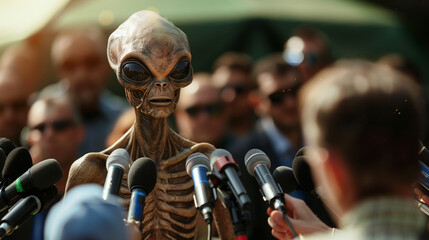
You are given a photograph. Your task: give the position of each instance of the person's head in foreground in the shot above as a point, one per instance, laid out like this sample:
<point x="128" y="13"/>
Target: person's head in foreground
<point x="362" y="122"/>
<point x="365" y="120"/>
<point x="84" y="215"/>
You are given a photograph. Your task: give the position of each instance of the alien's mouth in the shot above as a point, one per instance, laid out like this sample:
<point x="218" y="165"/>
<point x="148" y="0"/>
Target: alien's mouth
<point x="161" y="101"/>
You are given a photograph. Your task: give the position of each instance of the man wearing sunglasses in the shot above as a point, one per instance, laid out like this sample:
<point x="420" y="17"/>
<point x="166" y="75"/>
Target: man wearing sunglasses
<point x="232" y="74"/>
<point x="55" y="131"/>
<point x="278" y="132"/>
<point x="200" y="114"/>
<point x="309" y="49"/>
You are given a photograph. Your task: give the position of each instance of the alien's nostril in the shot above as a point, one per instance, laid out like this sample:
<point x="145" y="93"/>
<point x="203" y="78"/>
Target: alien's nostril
<point x="161" y="84"/>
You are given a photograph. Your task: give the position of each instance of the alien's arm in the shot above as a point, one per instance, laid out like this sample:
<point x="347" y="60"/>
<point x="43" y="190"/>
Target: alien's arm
<point x="90" y="168"/>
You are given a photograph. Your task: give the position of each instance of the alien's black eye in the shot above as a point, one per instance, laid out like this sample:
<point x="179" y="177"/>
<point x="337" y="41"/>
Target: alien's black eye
<point x="134" y="72"/>
<point x="181" y="70"/>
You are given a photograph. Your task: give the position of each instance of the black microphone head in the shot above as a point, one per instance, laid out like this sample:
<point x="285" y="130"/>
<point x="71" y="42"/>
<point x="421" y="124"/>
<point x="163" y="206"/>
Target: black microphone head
<point x="7" y="145"/>
<point x="302" y="172"/>
<point x="301" y="152"/>
<point x="196" y="159"/>
<point x="45" y="173"/>
<point x="119" y="157"/>
<point x="17" y="162"/>
<point x="254" y="157"/>
<point x="284" y="176"/>
<point x="142" y="174"/>
<point x="2" y="160"/>
<point x="219" y="152"/>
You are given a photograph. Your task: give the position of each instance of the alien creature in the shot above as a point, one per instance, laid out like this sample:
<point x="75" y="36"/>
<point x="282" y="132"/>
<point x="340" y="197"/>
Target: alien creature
<point x="152" y="61"/>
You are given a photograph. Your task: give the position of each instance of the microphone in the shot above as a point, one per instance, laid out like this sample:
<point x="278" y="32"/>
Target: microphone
<point x="196" y="167"/>
<point x="285" y="177"/>
<point x="38" y="177"/>
<point x="18" y="160"/>
<point x="141" y="181"/>
<point x="423" y="154"/>
<point x="303" y="175"/>
<point x="221" y="161"/>
<point x="257" y="164"/>
<point x="25" y="208"/>
<point x="6" y="145"/>
<point x="2" y="160"/>
<point x="423" y="157"/>
<point x="302" y="172"/>
<point x="117" y="163"/>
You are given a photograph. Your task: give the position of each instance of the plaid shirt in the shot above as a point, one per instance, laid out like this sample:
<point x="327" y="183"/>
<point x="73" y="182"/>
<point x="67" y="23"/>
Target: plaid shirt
<point x="380" y="219"/>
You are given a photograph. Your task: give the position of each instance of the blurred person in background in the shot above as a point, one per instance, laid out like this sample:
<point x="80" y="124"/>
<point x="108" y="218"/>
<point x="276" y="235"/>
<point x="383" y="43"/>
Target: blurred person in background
<point x="21" y="72"/>
<point x="200" y="114"/>
<point x="232" y="74"/>
<point x="14" y="97"/>
<point x="309" y="49"/>
<point x="362" y="122"/>
<point x="25" y="60"/>
<point x="277" y="132"/>
<point x="79" y="58"/>
<point x="55" y="130"/>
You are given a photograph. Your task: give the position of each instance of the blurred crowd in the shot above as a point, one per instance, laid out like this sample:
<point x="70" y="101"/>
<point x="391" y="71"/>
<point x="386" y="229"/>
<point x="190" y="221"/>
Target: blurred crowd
<point x="240" y="104"/>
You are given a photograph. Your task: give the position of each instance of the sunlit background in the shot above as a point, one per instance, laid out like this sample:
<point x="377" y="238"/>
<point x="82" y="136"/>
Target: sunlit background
<point x="367" y="29"/>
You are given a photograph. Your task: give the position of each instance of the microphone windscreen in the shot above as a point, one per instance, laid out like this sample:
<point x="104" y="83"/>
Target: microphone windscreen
<point x="217" y="154"/>
<point x="2" y="160"/>
<point x="302" y="173"/>
<point x="119" y="157"/>
<point x="17" y="162"/>
<point x="254" y="157"/>
<point x="284" y="176"/>
<point x="45" y="173"/>
<point x="142" y="174"/>
<point x="301" y="152"/>
<point x="196" y="159"/>
<point x="7" y="146"/>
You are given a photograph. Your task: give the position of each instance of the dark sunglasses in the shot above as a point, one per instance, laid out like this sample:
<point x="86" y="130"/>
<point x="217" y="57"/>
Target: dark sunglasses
<point x="57" y="126"/>
<point x="212" y="110"/>
<point x="278" y="96"/>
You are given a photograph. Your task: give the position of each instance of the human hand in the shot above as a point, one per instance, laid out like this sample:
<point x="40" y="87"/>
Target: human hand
<point x="134" y="229"/>
<point x="301" y="217"/>
<point x="422" y="197"/>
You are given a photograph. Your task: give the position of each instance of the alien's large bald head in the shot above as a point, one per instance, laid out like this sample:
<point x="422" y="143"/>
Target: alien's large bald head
<point x="152" y="60"/>
<point x="147" y="33"/>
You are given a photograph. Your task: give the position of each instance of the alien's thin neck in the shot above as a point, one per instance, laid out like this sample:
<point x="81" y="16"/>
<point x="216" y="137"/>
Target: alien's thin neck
<point x="153" y="136"/>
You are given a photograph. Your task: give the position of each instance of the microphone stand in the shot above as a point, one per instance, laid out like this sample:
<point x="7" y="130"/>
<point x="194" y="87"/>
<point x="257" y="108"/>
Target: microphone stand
<point x="240" y="217"/>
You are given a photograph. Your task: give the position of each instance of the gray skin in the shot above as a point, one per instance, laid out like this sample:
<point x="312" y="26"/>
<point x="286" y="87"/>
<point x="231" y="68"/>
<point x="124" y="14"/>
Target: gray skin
<point x="152" y="61"/>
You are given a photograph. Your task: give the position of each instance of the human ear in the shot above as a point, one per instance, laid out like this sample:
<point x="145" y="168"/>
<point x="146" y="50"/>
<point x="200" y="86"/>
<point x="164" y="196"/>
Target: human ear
<point x="339" y="179"/>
